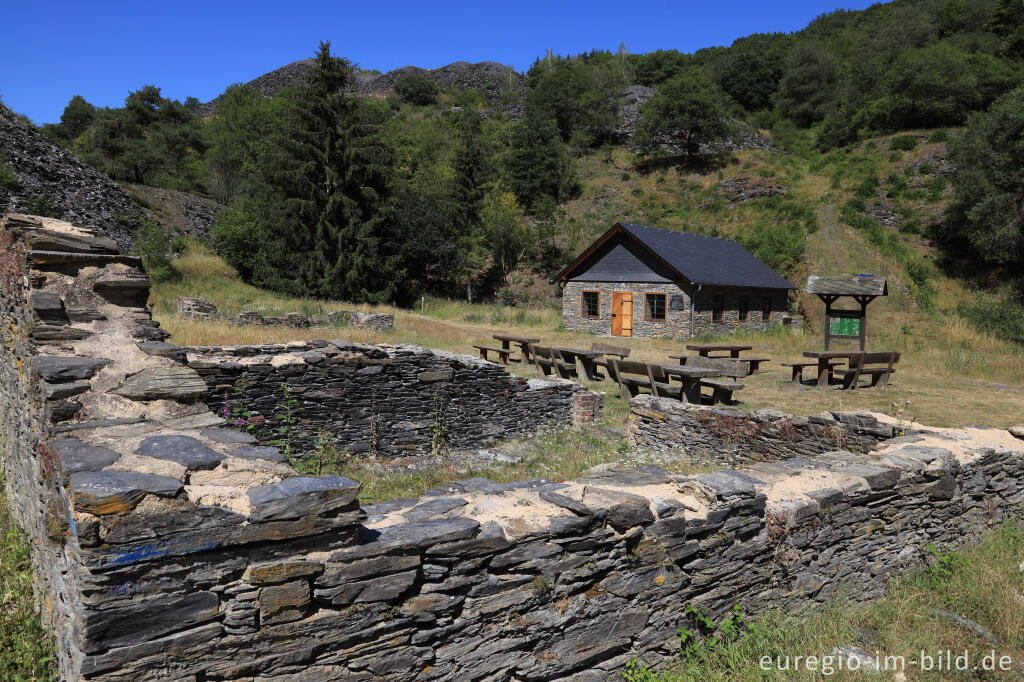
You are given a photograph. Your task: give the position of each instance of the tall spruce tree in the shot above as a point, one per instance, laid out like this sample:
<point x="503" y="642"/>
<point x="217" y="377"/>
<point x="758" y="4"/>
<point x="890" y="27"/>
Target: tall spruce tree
<point x="469" y="164"/>
<point x="336" y="226"/>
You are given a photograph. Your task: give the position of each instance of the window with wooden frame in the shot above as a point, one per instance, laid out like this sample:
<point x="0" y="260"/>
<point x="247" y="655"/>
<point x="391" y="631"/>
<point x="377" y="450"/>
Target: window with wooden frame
<point x="654" y="307"/>
<point x="717" y="308"/>
<point x="766" y="308"/>
<point x="744" y="308"/>
<point x="590" y="304"/>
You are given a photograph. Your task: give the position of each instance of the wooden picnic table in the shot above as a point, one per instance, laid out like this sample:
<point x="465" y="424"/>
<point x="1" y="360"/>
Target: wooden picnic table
<point x="586" y="358"/>
<point x="523" y="342"/>
<point x="704" y="348"/>
<point x="752" y="364"/>
<point x="826" y="359"/>
<point x="690" y="377"/>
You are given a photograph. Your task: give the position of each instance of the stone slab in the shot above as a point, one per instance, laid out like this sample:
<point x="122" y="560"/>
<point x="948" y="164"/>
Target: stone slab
<point x="301" y="496"/>
<point x="156" y="383"/>
<point x="56" y="369"/>
<point x="185" y="450"/>
<point x="78" y="456"/>
<point x="110" y="492"/>
<point x="228" y="436"/>
<point x="259" y="452"/>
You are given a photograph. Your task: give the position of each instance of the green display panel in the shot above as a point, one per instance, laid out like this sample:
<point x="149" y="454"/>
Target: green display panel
<point x="844" y="326"/>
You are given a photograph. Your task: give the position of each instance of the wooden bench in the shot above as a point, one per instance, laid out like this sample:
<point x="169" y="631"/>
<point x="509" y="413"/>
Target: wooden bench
<point x="622" y="352"/>
<point x="546" y="359"/>
<point x="503" y="353"/>
<point x="620" y="371"/>
<point x="660" y="384"/>
<point x="722" y="389"/>
<point x="798" y="369"/>
<point x="860" y="366"/>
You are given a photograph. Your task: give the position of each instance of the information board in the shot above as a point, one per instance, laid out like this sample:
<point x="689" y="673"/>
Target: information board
<point x="844" y="326"/>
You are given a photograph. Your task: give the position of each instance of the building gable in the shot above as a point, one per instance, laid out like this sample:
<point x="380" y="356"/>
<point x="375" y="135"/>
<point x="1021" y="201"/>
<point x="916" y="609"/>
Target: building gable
<point x="622" y="259"/>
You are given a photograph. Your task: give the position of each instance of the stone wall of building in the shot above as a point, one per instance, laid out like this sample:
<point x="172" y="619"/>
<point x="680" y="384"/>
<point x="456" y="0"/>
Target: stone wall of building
<point x="381" y="400"/>
<point x="677" y="323"/>
<point x="725" y="436"/>
<point x="193" y="553"/>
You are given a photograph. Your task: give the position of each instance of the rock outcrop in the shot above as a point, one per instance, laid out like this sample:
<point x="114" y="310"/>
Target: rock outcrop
<point x="51" y="180"/>
<point x="488" y="77"/>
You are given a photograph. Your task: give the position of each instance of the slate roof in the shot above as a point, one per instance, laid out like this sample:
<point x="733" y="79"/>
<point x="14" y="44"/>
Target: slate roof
<point x="848" y="285"/>
<point x="698" y="258"/>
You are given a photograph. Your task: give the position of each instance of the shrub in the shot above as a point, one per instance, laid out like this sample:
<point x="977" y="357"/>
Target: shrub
<point x="415" y="88"/>
<point x="904" y="143"/>
<point x="1002" y="317"/>
<point x="153" y="244"/>
<point x="8" y="178"/>
<point x="939" y="135"/>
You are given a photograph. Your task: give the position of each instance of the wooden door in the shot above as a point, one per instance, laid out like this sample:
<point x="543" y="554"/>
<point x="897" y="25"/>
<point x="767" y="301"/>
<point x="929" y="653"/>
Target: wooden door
<point x="622" y="313"/>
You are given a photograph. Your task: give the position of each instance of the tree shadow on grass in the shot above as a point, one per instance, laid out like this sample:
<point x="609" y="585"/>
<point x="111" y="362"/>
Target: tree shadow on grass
<point x="689" y="163"/>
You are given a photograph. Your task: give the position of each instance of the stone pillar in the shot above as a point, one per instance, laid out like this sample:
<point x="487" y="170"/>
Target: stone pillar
<point x="586" y="407"/>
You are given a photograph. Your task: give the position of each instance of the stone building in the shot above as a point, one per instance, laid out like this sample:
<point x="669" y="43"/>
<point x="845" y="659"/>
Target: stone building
<point x="645" y="281"/>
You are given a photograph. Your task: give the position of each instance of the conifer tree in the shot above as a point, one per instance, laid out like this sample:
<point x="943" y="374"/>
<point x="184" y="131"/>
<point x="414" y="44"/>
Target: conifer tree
<point x="335" y="230"/>
<point x="469" y="165"/>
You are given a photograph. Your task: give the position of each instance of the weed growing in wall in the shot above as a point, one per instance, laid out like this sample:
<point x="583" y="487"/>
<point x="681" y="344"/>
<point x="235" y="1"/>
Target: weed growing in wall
<point x="439" y="430"/>
<point x="286" y="418"/>
<point x="26" y="649"/>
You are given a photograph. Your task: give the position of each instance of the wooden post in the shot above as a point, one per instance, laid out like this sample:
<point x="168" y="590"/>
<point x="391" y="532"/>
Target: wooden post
<point x="829" y="300"/>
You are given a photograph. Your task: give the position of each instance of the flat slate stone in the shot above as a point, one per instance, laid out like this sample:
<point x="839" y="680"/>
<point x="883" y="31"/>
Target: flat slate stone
<point x="57" y="369"/>
<point x="300" y="496"/>
<point x="564" y="502"/>
<point x="111" y="492"/>
<point x="162" y="349"/>
<point x="259" y="452"/>
<point x="435" y="507"/>
<point x="78" y="456"/>
<point x="95" y="424"/>
<point x="155" y="383"/>
<point x="424" y="533"/>
<point x="184" y="450"/>
<point x="58" y="391"/>
<point x="227" y="436"/>
<point x="48" y="306"/>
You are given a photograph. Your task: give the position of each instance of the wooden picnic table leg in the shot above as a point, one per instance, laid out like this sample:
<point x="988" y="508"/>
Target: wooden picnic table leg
<point x="588" y="368"/>
<point x="691" y="390"/>
<point x="823" y="372"/>
<point x="703" y="353"/>
<point x="526" y="351"/>
<point x="734" y="352"/>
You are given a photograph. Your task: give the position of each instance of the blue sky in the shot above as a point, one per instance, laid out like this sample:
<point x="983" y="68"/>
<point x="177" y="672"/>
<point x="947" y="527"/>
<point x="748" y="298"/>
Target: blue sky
<point x="101" y="50"/>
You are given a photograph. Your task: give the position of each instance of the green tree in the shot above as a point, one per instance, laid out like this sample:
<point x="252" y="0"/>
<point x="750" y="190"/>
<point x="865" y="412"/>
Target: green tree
<point x="507" y="235"/>
<point x="537" y="163"/>
<point x="750" y="70"/>
<point x="808" y="88"/>
<point x="75" y="120"/>
<point x="688" y="111"/>
<point x="239" y="135"/>
<point x="987" y="220"/>
<point x="152" y="140"/>
<point x="335" y="227"/>
<point x="469" y="165"/>
<point x="415" y="88"/>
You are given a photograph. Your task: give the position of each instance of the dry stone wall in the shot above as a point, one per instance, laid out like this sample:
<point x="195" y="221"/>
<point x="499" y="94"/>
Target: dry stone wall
<point x="726" y="436"/>
<point x="381" y="400"/>
<point x="181" y="549"/>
